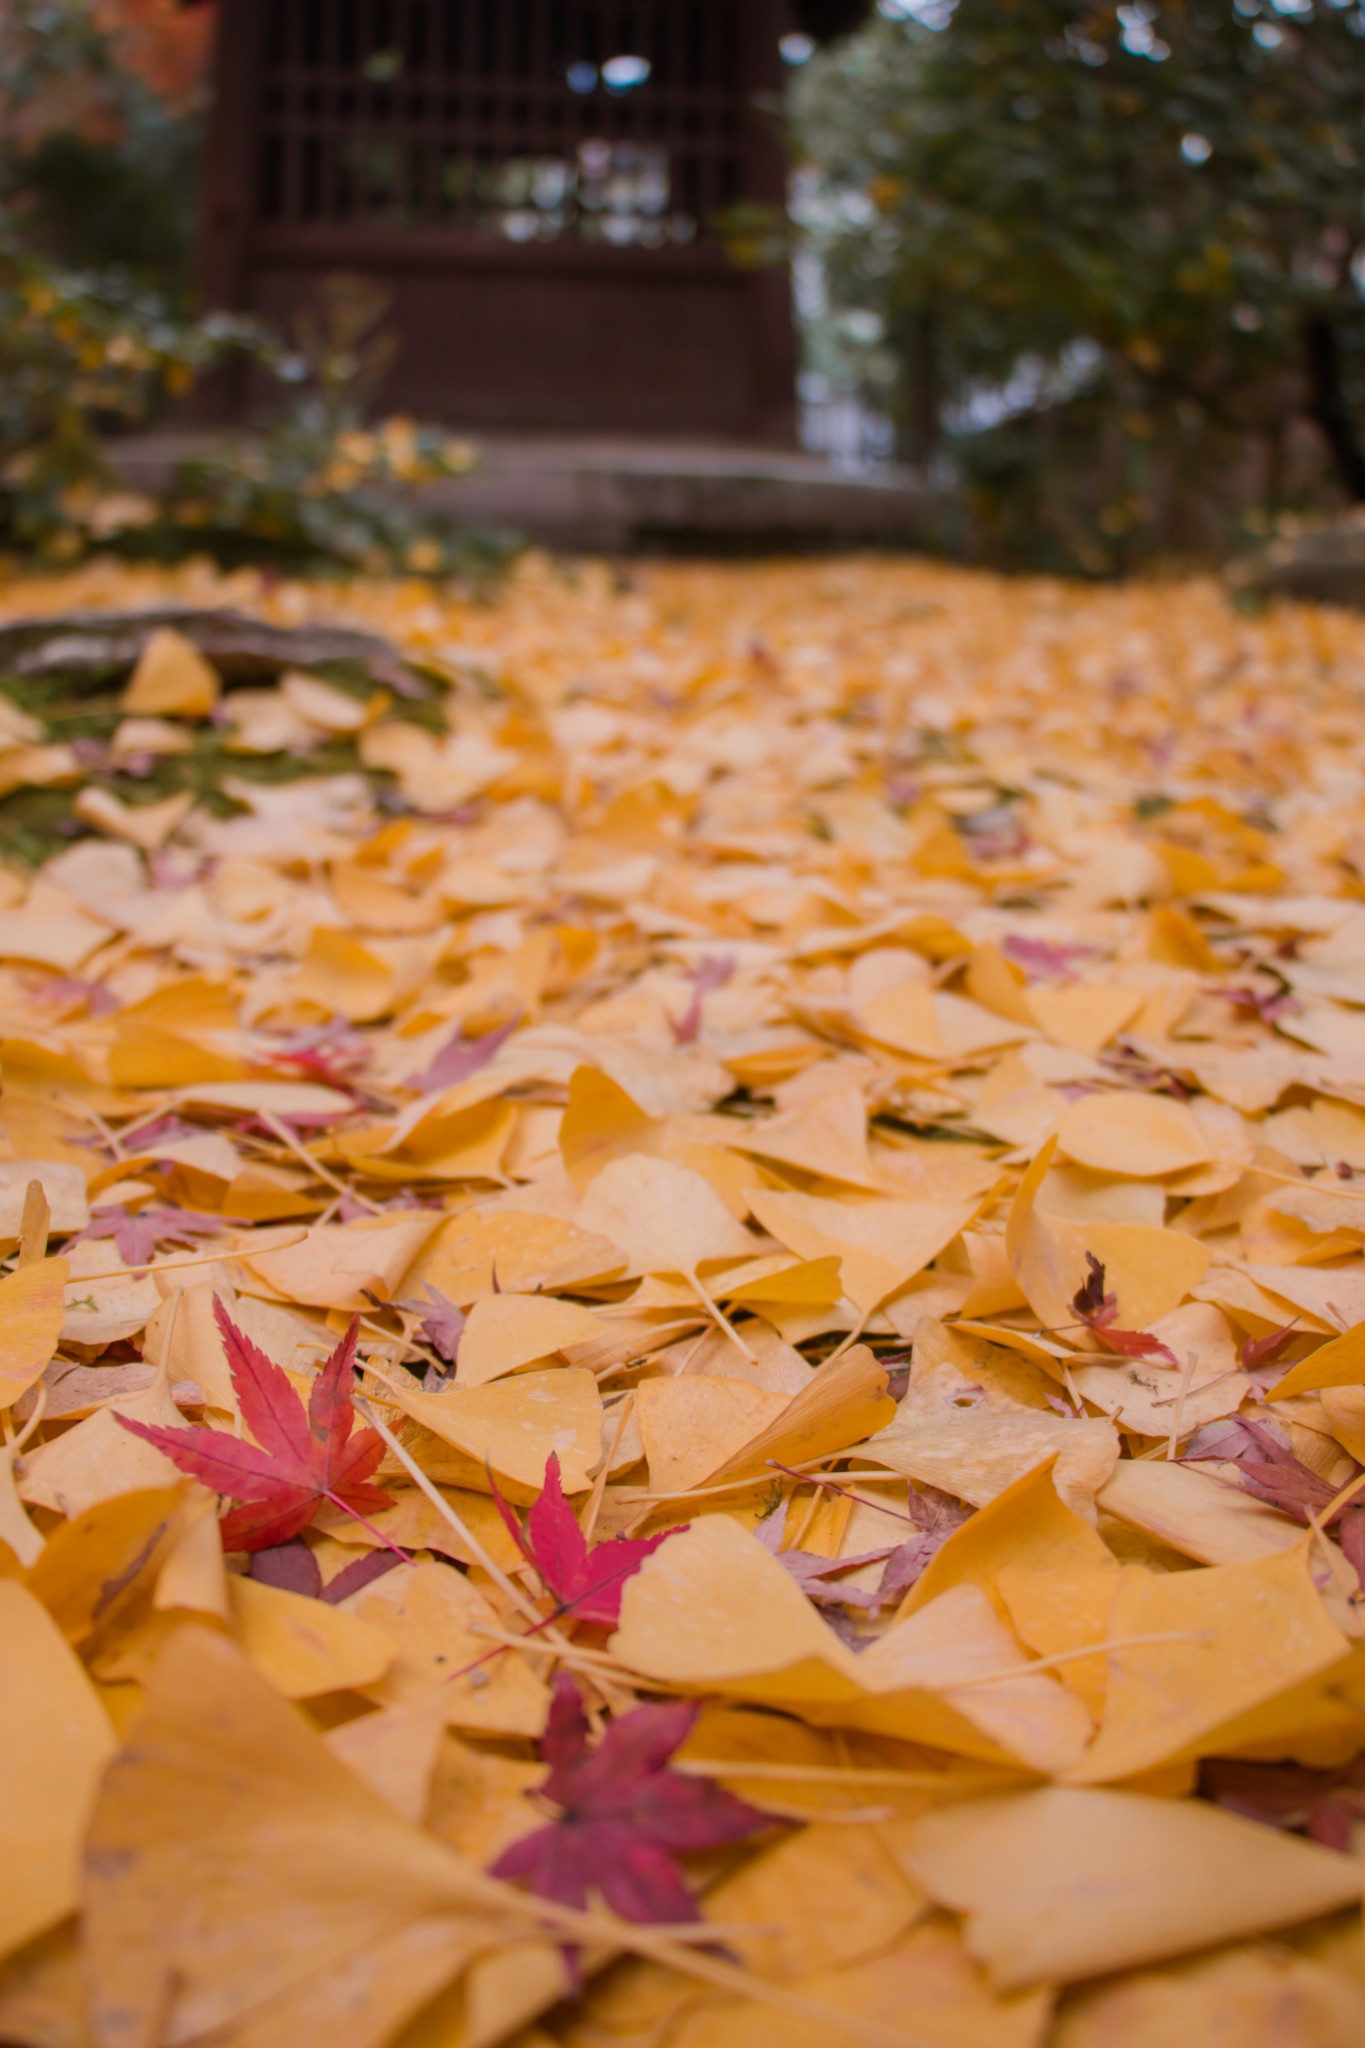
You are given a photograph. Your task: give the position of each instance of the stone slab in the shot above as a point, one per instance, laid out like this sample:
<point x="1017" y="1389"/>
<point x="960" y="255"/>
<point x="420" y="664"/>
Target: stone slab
<point x="624" y="496"/>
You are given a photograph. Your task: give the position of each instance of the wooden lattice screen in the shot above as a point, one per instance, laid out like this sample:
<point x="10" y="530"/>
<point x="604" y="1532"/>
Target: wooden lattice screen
<point x="540" y="184"/>
<point x="461" y="114"/>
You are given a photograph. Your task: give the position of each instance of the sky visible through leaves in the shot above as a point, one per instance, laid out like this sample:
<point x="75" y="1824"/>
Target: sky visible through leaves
<point x="682" y="1329"/>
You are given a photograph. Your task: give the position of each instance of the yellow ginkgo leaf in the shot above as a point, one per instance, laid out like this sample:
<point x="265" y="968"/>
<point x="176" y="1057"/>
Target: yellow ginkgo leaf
<point x="602" y="1122"/>
<point x="1059" y="1885"/>
<point x="344" y="1265"/>
<point x="1221" y="1647"/>
<point x="512" y="1426"/>
<point x="880" y="1243"/>
<point x="171" y="679"/>
<point x="1083" y="1018"/>
<point x="430" y="1620"/>
<point x="751" y="1632"/>
<point x="265" y="1866"/>
<point x="507" y="1332"/>
<point x="1340" y="1363"/>
<point x="692" y="1426"/>
<point x="843" y="1403"/>
<point x="1150" y="1271"/>
<point x="826" y="1138"/>
<point x="305" y="1647"/>
<point x="666" y="1217"/>
<point x="32" y="1312"/>
<point x="146" y="825"/>
<point x="55" y="1740"/>
<point x="1131" y="1135"/>
<point x="1195" y="1513"/>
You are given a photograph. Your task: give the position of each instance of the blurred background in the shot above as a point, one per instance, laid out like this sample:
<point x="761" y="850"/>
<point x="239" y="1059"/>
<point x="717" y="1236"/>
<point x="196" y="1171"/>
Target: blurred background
<point x="1082" y="284"/>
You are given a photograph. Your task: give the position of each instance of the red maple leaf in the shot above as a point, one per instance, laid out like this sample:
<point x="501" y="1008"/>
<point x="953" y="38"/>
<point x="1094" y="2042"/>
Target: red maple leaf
<point x="1098" y="1310"/>
<point x="623" y="1815"/>
<point x="587" y="1580"/>
<point x="1090" y="1302"/>
<point x="332" y="1053"/>
<point x="301" y="1457"/>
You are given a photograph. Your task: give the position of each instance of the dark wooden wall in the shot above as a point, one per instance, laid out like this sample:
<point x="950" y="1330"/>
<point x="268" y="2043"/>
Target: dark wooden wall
<point x="553" y="257"/>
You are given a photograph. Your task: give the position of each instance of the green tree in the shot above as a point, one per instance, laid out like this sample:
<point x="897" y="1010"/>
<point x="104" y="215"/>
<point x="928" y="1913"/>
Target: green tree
<point x="1157" y="207"/>
<point x="101" y="106"/>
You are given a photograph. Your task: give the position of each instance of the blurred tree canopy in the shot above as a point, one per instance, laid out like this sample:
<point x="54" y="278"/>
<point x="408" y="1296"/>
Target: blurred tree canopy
<point x="1121" y="242"/>
<point x="99" y="131"/>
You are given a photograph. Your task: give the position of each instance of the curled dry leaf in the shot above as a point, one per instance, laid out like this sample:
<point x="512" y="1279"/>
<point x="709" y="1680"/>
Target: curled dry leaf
<point x="1099" y="1312"/>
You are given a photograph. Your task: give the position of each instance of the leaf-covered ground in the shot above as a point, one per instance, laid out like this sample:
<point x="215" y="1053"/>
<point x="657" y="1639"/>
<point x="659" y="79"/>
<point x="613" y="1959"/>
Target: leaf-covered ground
<point x="683" y="1348"/>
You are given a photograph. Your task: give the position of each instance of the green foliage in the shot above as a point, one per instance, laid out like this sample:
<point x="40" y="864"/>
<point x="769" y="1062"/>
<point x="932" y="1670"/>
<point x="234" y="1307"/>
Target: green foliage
<point x="80" y="352"/>
<point x="321" y="488"/>
<point x="84" y="354"/>
<point x="1154" y="211"/>
<point x="100" y="131"/>
<point x="309" y="496"/>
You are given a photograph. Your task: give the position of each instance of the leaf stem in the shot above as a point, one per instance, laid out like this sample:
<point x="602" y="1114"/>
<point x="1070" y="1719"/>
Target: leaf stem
<point x="284" y="1136"/>
<point x="478" y="1551"/>
<point x="356" y="1516"/>
<point x="817" y="1479"/>
<point x="718" y="1316"/>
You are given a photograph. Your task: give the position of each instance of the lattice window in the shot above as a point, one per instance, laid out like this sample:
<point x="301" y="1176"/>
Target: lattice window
<point x="520" y="119"/>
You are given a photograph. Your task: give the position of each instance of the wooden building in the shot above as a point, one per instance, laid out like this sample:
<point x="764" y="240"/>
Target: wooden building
<point x="538" y="186"/>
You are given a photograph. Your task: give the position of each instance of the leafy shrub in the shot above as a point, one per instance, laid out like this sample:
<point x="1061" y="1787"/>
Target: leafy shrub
<point x="320" y="486"/>
<point x="84" y="354"/>
<point x="306" y="494"/>
<point x="81" y="352"/>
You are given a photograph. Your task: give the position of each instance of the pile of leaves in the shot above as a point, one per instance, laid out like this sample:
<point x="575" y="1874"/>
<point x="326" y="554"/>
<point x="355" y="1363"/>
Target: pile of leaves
<point x="65" y="683"/>
<point x="684" y="1355"/>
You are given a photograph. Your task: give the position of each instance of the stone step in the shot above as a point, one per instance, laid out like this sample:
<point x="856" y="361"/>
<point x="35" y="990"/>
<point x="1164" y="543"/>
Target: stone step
<point x="622" y="495"/>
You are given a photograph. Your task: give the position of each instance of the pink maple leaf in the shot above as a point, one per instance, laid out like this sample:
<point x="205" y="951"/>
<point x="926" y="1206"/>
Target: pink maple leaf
<point x="137" y="1236"/>
<point x="708" y="974"/>
<point x="460" y="1057"/>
